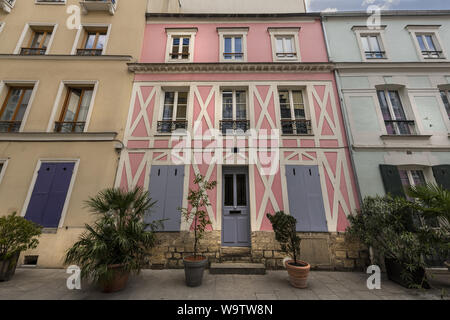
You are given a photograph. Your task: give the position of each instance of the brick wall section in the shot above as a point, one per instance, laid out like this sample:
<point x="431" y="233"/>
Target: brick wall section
<point x="341" y="254"/>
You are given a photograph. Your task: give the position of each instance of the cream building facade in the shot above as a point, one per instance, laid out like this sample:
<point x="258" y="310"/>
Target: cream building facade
<point x="64" y="98"/>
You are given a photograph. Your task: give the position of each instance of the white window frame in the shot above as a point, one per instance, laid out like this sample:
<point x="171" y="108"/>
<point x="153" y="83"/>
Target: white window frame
<point x="432" y="30"/>
<point x="28" y="27"/>
<point x="232" y="32"/>
<point x="84" y="28"/>
<point x="2" y="25"/>
<point x="234" y="107"/>
<point x="414" y="130"/>
<point x="446" y="89"/>
<point x="362" y="31"/>
<point x="5" y="84"/>
<point x="59" y="98"/>
<point x="4" y="162"/>
<point x="180" y="32"/>
<point x="285" y="32"/>
<point x="292" y="109"/>
<point x="69" y="191"/>
<point x="176" y="90"/>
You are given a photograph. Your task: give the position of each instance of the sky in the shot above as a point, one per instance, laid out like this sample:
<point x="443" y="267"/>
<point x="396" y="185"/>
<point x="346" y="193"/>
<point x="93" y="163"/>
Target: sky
<point x="362" y="5"/>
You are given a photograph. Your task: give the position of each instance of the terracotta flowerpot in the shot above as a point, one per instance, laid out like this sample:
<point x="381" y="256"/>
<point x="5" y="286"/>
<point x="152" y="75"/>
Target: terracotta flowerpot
<point x="194" y="269"/>
<point x="117" y="282"/>
<point x="298" y="275"/>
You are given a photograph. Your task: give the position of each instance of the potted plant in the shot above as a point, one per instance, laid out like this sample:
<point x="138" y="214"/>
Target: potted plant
<point x="196" y="215"/>
<point x="119" y="241"/>
<point x="392" y="227"/>
<point x="16" y="234"/>
<point x="284" y="227"/>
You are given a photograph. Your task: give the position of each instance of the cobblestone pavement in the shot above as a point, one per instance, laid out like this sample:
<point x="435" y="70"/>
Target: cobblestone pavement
<point x="35" y="284"/>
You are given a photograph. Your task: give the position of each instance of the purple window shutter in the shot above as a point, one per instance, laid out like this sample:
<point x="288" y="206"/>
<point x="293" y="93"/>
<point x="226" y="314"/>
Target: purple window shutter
<point x="49" y="194"/>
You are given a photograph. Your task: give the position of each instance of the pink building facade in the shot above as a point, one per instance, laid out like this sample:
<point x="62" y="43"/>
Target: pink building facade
<point x="249" y="101"/>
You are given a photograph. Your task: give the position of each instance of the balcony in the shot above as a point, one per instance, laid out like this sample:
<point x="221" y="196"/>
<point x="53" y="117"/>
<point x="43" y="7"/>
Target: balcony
<point x="99" y="5"/>
<point x="400" y="127"/>
<point x="33" y="51"/>
<point x="296" y="127"/>
<point x="375" y="54"/>
<point x="7" y="5"/>
<point x="10" y="126"/>
<point x="168" y="126"/>
<point x="234" y="126"/>
<point x="89" y="52"/>
<point x="431" y="54"/>
<point x="69" y="127"/>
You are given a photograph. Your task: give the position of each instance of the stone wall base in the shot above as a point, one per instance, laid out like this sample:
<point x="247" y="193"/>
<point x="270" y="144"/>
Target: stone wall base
<point x="324" y="251"/>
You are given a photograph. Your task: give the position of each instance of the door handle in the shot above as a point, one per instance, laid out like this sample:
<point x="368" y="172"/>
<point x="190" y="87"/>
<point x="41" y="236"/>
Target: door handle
<point x="235" y="212"/>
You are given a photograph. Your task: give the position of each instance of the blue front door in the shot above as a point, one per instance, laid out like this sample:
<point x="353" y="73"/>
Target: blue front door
<point x="49" y="193"/>
<point x="236" y="213"/>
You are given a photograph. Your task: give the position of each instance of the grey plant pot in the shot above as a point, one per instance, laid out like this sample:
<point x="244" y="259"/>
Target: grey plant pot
<point x="194" y="270"/>
<point x="8" y="267"/>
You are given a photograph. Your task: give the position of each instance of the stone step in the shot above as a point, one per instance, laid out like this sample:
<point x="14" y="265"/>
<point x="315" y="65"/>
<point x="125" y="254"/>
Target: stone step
<point x="235" y="252"/>
<point x="237" y="268"/>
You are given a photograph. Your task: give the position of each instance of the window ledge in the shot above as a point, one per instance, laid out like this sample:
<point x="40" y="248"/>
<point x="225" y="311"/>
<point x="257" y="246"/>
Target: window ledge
<point x="53" y="136"/>
<point x="49" y="230"/>
<point x="65" y="57"/>
<point x="285" y="135"/>
<point x="405" y="136"/>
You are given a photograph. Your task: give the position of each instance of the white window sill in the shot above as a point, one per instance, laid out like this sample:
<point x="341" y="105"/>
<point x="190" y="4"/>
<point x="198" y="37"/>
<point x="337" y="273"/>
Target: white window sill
<point x="406" y="136"/>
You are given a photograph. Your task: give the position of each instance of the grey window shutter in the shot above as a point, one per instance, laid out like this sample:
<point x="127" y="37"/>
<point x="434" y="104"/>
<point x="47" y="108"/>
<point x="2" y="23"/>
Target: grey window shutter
<point x="442" y="175"/>
<point x="166" y="187"/>
<point x="305" y="198"/>
<point x="391" y="180"/>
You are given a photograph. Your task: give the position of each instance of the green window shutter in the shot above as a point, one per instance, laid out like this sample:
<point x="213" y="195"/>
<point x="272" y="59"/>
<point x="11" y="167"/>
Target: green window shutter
<point x="442" y="175"/>
<point x="391" y="180"/>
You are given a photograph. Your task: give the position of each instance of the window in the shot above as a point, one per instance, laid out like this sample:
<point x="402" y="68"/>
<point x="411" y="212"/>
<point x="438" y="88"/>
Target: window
<point x="292" y="111"/>
<point x="234" y="112"/>
<point x="180" y="45"/>
<point x="75" y="110"/>
<point x="94" y="42"/>
<point x="427" y="41"/>
<point x="445" y="94"/>
<point x="174" y="112"/>
<point x="38" y="42"/>
<point x="14" y="107"/>
<point x="233" y="44"/>
<point x="285" y="44"/>
<point x="427" y="46"/>
<point x="371" y="46"/>
<point x="393" y="113"/>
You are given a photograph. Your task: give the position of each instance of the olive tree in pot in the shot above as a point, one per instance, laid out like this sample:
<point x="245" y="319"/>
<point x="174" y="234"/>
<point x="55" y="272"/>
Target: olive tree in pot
<point x="197" y="216"/>
<point x="119" y="241"/>
<point x="16" y="234"/>
<point x="284" y="226"/>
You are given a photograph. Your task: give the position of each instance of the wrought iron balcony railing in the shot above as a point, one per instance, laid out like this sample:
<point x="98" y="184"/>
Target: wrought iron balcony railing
<point x="400" y="127"/>
<point x="298" y="126"/>
<point x="89" y="52"/>
<point x="234" y="126"/>
<point x="10" y="126"/>
<point x="168" y="126"/>
<point x="431" y="54"/>
<point x="33" y="51"/>
<point x="67" y="126"/>
<point x="375" y="54"/>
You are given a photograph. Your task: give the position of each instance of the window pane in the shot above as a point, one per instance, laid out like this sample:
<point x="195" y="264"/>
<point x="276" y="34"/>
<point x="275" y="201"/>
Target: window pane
<point x="23" y="105"/>
<point x="227" y="98"/>
<point x="445" y="95"/>
<point x="288" y="45"/>
<point x="430" y="42"/>
<point x="228" y="190"/>
<point x="241" y="105"/>
<point x="11" y="105"/>
<point x="280" y="48"/>
<point x="182" y="106"/>
<point x="37" y="39"/>
<point x="101" y="41"/>
<point x="241" y="190"/>
<point x="85" y="103"/>
<point x="365" y="43"/>
<point x="374" y="43"/>
<point x="385" y="111"/>
<point x="421" y="43"/>
<point x="185" y="48"/>
<point x="72" y="105"/>
<point x="90" y="41"/>
<point x="397" y="105"/>
<point x="284" y="105"/>
<point x="238" y="48"/>
<point x="405" y="180"/>
<point x="418" y="177"/>
<point x="299" y="107"/>
<point x="168" y="105"/>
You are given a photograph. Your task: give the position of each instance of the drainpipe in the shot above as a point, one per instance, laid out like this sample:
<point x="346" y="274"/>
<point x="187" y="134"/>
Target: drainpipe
<point x="344" y="116"/>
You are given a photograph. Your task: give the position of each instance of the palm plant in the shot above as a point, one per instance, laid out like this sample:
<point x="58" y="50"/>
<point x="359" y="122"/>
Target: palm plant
<point x="118" y="237"/>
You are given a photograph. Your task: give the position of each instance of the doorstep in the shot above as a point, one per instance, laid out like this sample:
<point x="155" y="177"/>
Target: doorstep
<point x="237" y="268"/>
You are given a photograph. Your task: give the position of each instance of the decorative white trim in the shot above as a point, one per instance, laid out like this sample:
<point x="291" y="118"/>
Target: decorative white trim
<point x="57" y="137"/>
<point x="380" y="34"/>
<point x="76" y="43"/>
<point x="286" y="32"/>
<point x="427" y="29"/>
<point x="57" y="103"/>
<point x="4" y="162"/>
<point x="69" y="192"/>
<point x="2" y="25"/>
<point x="187" y="32"/>
<point x="49" y="2"/>
<point x="28" y="27"/>
<point x="232" y="32"/>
